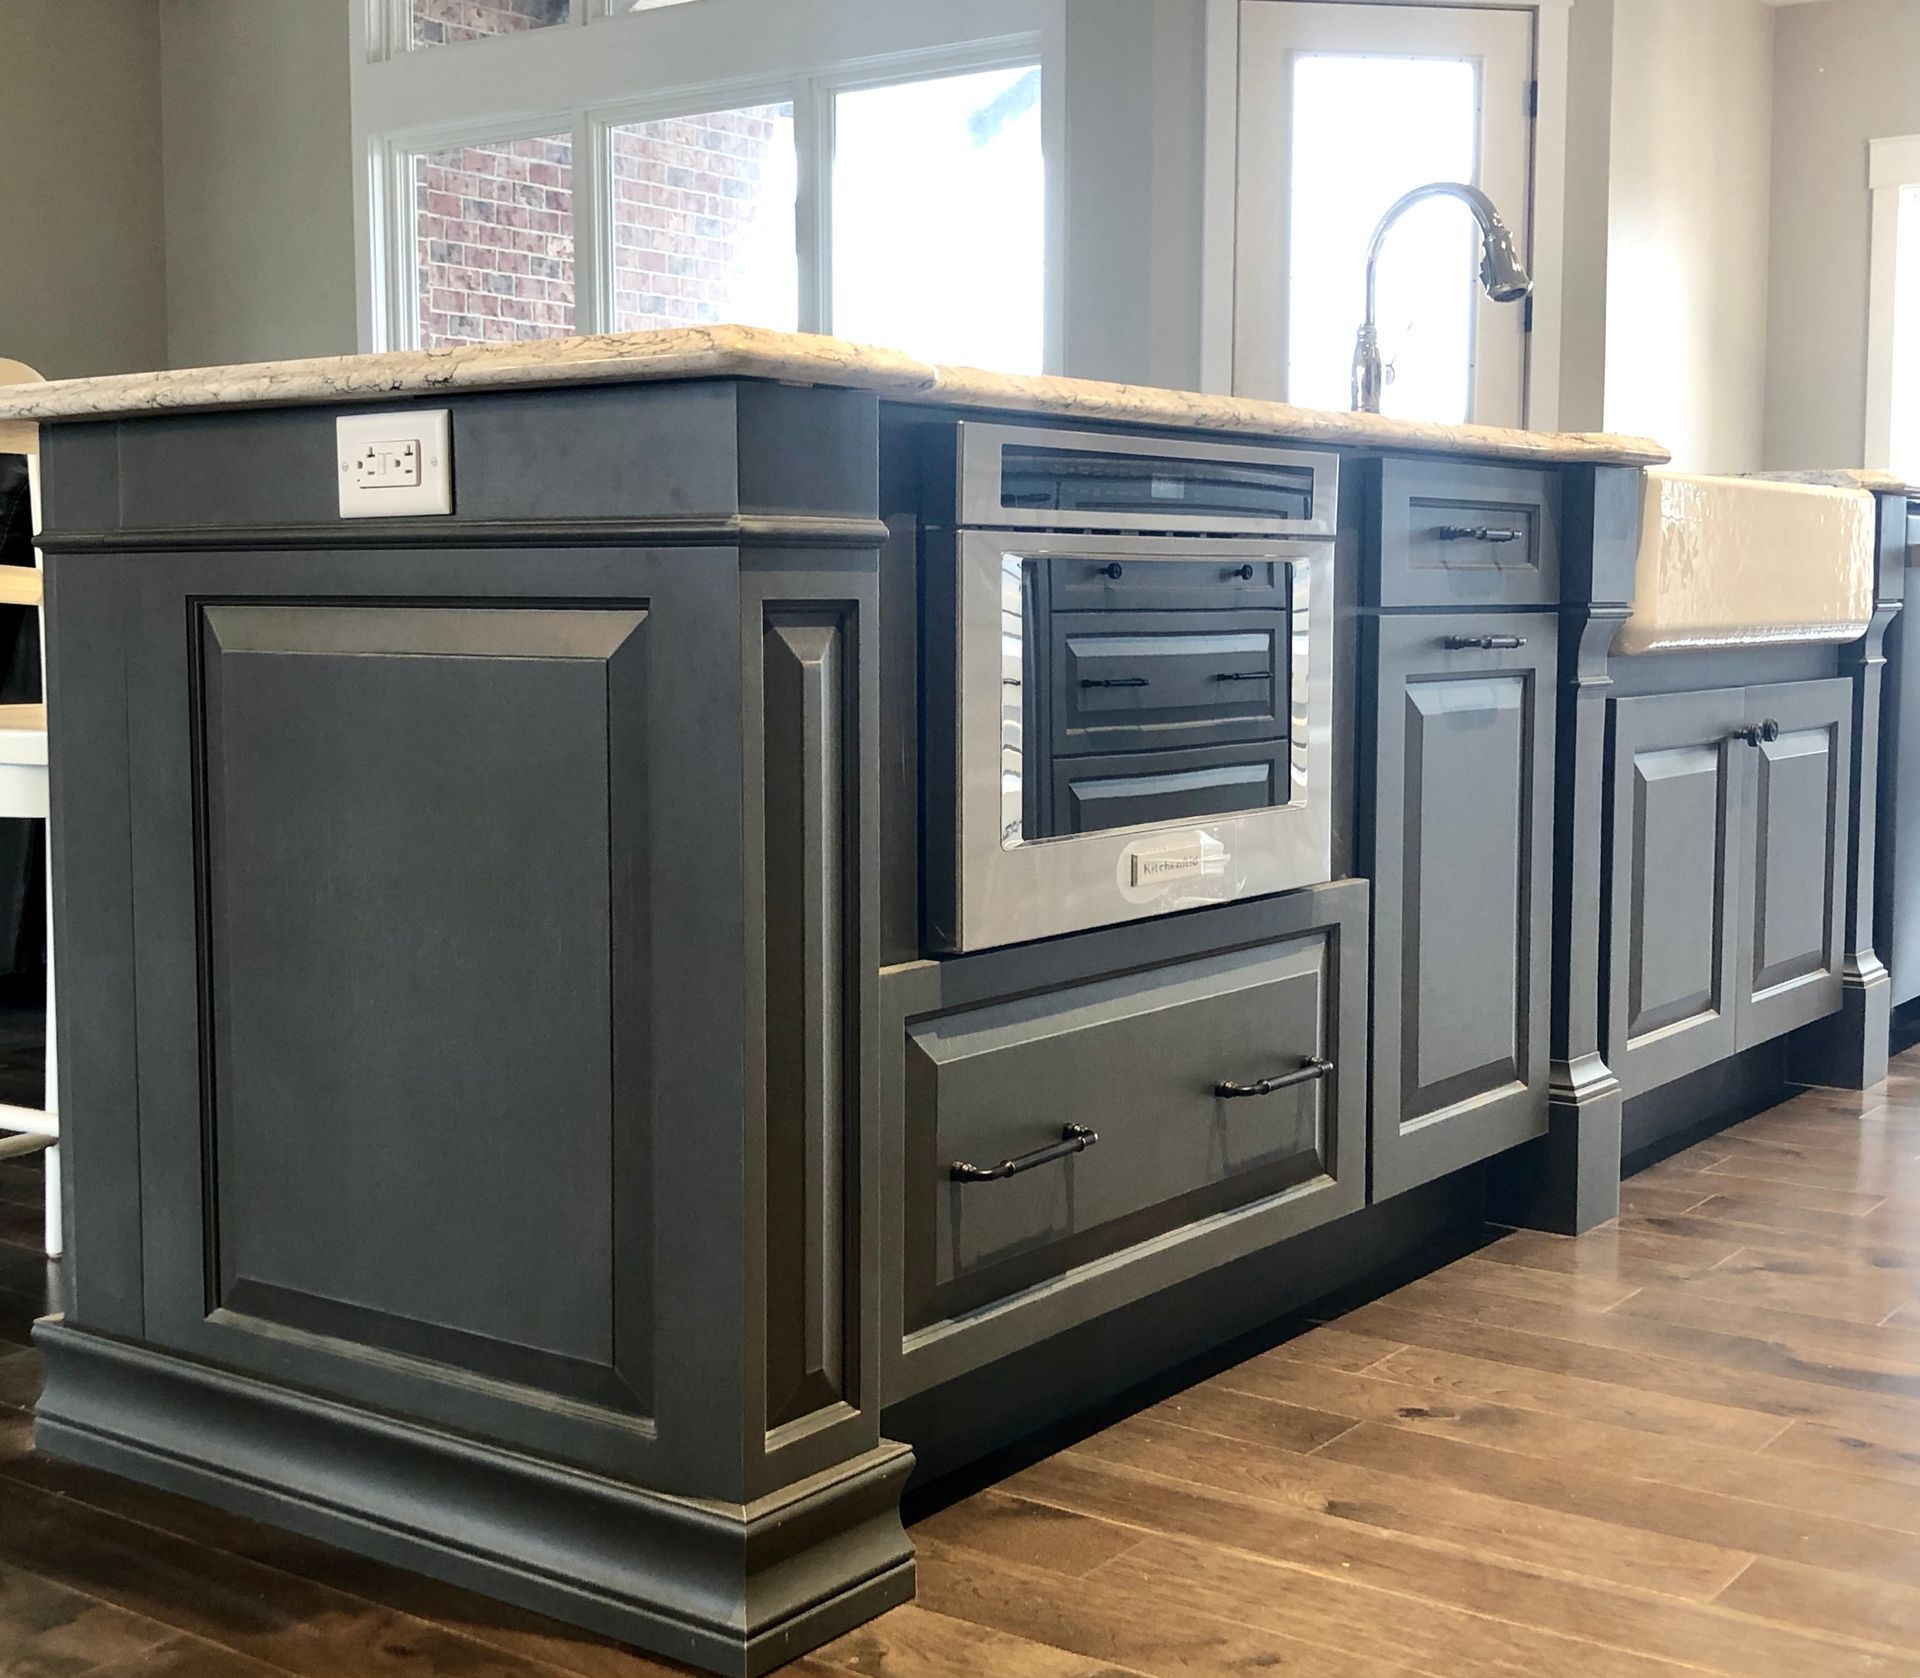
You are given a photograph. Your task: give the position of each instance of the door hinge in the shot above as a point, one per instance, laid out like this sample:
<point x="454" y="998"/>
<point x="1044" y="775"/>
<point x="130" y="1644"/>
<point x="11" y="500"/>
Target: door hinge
<point x="1533" y="99"/>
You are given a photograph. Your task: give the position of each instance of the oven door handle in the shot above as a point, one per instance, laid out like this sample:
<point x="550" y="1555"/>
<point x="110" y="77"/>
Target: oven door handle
<point x="1306" y="1072"/>
<point x="1114" y="682"/>
<point x="1074" y="1139"/>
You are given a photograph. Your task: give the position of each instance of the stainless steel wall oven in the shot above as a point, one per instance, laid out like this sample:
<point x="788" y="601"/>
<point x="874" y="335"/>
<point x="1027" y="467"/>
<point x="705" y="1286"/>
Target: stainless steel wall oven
<point x="1130" y="681"/>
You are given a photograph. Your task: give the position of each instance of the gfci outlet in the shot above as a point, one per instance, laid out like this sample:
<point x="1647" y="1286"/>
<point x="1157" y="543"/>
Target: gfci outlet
<point x="395" y="465"/>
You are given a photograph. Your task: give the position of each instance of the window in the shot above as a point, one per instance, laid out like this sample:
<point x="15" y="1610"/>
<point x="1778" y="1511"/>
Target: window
<point x="493" y="241"/>
<point x="939" y="218"/>
<point x="635" y="165"/>
<point x="1893" y="307"/>
<point x="703" y="220"/>
<point x="448" y="23"/>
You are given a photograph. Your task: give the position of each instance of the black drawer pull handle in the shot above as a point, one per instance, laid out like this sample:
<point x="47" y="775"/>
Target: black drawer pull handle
<point x="1243" y="572"/>
<point x="1113" y="681"/>
<point x="1243" y="676"/>
<point x="1759" y="733"/>
<point x="1479" y="533"/>
<point x="1112" y="571"/>
<point x="1074" y="1139"/>
<point x="1485" y="643"/>
<point x="1305" y="1073"/>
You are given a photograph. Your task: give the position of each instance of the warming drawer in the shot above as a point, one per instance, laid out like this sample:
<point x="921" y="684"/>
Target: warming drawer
<point x="1054" y="1140"/>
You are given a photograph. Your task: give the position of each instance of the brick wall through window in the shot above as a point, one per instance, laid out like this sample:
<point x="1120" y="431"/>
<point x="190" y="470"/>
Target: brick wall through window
<point x="446" y="23"/>
<point x="703" y="220"/>
<point x="493" y="230"/>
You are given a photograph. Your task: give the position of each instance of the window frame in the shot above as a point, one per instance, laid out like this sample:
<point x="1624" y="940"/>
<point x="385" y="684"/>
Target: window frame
<point x="510" y="88"/>
<point x="1893" y="167"/>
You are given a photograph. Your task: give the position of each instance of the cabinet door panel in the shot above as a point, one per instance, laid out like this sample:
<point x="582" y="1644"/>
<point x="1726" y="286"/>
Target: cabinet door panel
<point x="1796" y="875"/>
<point x="1678" y="790"/>
<point x="1462" y="869"/>
<point x="392" y="851"/>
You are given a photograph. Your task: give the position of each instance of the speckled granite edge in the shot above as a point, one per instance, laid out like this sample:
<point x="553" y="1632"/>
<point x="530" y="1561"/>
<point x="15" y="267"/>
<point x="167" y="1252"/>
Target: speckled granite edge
<point x="1869" y="478"/>
<point x="752" y="352"/>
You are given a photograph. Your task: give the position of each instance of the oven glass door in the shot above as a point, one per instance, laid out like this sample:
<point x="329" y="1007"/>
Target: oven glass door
<point x="1144" y="727"/>
<point x="1145" y="693"/>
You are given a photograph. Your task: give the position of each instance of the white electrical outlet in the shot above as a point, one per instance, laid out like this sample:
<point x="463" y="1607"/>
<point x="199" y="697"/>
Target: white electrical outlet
<point x="394" y="465"/>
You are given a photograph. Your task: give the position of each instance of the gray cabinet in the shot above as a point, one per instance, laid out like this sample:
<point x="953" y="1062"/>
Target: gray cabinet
<point x="1728" y="835"/>
<point x="1461" y="860"/>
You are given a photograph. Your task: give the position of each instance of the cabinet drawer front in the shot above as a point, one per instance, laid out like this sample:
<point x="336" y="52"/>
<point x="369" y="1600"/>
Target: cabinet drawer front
<point x="1097" y="794"/>
<point x="1142" y="1062"/>
<point x="1458" y="535"/>
<point x="1128" y="1032"/>
<point x="1128" y="683"/>
<point x="1166" y="585"/>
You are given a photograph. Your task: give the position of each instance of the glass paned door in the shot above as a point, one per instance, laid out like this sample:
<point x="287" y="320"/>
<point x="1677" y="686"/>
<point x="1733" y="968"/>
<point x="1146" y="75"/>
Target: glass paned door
<point x="1342" y="109"/>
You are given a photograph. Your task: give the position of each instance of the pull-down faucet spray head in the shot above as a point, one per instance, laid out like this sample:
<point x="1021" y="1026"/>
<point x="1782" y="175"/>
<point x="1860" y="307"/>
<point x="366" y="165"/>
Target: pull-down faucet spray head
<point x="1502" y="274"/>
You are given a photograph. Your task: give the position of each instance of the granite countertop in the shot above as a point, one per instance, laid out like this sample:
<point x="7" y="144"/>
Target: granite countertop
<point x="752" y="352"/>
<point x="1872" y="479"/>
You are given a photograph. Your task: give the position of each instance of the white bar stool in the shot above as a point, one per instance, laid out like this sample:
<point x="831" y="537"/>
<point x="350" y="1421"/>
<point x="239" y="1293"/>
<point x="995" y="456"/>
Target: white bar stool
<point x="23" y="793"/>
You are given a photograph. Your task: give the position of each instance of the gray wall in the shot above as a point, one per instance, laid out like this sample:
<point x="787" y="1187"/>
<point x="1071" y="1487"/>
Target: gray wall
<point x="259" y="179"/>
<point x="1688" y="234"/>
<point x="1845" y="72"/>
<point x="82" y="262"/>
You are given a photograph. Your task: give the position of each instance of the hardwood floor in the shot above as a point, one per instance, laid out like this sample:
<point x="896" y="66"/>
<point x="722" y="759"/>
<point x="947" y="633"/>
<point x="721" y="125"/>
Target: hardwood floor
<point x="1686" y="1443"/>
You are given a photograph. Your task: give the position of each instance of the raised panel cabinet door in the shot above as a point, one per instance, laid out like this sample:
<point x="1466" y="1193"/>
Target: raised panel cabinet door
<point x="394" y="868"/>
<point x="1462" y="871"/>
<point x="1680" y="772"/>
<point x="1793" y="904"/>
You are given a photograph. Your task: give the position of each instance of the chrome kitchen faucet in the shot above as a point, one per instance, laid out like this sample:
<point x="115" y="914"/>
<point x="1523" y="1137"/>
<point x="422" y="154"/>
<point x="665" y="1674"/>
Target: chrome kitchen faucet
<point x="1501" y="272"/>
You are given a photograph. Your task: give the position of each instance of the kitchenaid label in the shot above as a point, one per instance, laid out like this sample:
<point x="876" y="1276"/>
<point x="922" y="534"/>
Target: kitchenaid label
<point x="1150" y="866"/>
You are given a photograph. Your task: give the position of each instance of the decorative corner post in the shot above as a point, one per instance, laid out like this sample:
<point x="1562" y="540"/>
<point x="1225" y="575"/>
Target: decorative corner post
<point x="1569" y="1180"/>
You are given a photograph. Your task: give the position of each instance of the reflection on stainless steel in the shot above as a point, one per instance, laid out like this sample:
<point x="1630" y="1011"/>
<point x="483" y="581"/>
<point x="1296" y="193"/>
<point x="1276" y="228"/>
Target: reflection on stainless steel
<point x="1212" y="497"/>
<point x="1017" y="570"/>
<point x="1013" y="697"/>
<point x="1012" y="888"/>
<point x="1502" y="274"/>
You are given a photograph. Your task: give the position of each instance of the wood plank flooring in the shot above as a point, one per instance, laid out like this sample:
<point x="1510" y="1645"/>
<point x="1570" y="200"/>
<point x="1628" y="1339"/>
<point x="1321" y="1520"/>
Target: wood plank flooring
<point x="1688" y="1443"/>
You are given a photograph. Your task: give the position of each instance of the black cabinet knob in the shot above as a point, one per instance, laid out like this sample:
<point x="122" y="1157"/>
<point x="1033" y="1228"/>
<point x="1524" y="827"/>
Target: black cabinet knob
<point x="1112" y="571"/>
<point x="1759" y="733"/>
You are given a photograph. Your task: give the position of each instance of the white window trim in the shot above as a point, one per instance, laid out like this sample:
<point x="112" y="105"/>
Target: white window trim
<point x="1893" y="165"/>
<point x="556" y="81"/>
<point x="1546" y="219"/>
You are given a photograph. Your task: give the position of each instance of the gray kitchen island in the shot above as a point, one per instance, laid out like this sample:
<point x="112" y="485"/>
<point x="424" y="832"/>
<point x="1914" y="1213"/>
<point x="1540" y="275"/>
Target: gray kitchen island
<point x="661" y="934"/>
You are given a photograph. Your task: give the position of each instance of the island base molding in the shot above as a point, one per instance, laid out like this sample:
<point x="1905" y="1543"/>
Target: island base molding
<point x="736" y="1588"/>
<point x="1849" y="1050"/>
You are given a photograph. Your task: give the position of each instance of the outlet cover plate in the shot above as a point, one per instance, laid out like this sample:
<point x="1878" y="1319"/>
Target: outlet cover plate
<point x="364" y="443"/>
